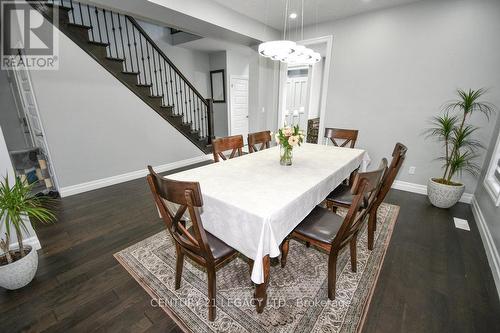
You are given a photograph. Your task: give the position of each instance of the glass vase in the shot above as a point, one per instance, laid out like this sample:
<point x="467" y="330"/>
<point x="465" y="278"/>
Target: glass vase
<point x="286" y="155"/>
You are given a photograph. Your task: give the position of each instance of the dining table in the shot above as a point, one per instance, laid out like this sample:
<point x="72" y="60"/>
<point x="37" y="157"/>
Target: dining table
<point x="253" y="203"/>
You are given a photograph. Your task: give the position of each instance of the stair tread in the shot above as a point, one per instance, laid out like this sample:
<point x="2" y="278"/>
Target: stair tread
<point x="98" y="43"/>
<point x="78" y="25"/>
<point x="115" y="59"/>
<point x="130" y="73"/>
<point x="144" y="85"/>
<point x="153" y="96"/>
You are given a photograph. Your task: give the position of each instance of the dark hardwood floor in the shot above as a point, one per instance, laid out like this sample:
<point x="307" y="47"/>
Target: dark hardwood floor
<point x="435" y="278"/>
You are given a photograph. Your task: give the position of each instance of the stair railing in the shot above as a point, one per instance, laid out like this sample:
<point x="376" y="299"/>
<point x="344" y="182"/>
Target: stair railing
<point x="126" y="40"/>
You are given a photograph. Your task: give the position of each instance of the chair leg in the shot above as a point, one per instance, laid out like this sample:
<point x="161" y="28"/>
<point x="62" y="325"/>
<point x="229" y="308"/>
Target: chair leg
<point x="211" y="294"/>
<point x="372" y="225"/>
<point x="308" y="244"/>
<point x="332" y="275"/>
<point x="353" y="253"/>
<point x="250" y="266"/>
<point x="284" y="251"/>
<point x="179" y="266"/>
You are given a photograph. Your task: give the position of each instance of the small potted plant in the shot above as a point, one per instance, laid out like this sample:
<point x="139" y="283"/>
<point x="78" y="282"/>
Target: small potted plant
<point x="18" y="206"/>
<point x="460" y="148"/>
<point x="287" y="138"/>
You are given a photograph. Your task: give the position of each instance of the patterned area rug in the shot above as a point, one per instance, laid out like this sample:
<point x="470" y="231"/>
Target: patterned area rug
<point x="297" y="294"/>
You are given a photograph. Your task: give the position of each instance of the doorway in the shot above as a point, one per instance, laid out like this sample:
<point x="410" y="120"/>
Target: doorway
<point x="303" y="91"/>
<point x="239" y="105"/>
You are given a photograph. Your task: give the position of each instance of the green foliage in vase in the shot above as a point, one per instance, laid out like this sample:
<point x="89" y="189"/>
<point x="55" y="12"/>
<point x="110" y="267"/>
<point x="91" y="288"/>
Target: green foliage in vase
<point x="457" y="136"/>
<point x="289" y="136"/>
<point x="17" y="205"/>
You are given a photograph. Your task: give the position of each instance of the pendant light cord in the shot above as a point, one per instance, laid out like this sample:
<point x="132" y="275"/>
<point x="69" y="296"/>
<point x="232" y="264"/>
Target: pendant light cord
<point x="302" y="18"/>
<point x="286" y="19"/>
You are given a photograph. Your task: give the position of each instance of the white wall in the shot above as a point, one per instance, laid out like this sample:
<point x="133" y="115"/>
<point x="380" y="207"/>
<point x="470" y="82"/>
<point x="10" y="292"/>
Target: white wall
<point x="488" y="215"/>
<point x="96" y="127"/>
<point x="393" y="69"/>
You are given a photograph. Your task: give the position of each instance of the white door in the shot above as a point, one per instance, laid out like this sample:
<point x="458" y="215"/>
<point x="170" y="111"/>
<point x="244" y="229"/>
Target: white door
<point x="239" y="106"/>
<point x="30" y="107"/>
<point x="296" y="101"/>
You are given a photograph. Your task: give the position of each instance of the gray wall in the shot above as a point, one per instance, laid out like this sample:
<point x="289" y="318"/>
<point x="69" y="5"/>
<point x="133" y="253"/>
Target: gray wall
<point x="393" y="69"/>
<point x="490" y="212"/>
<point x="95" y="126"/>
<point x="9" y="119"/>
<point x="218" y="60"/>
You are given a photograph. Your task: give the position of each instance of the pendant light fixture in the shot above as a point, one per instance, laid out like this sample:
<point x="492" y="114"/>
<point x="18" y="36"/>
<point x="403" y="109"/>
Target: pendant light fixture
<point x="288" y="51"/>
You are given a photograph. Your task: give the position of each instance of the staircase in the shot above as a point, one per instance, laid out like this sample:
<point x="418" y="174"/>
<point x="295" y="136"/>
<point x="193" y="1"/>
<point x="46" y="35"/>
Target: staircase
<point x="122" y="47"/>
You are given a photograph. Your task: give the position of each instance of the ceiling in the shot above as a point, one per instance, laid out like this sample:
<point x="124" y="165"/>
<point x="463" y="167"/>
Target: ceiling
<point x="270" y="12"/>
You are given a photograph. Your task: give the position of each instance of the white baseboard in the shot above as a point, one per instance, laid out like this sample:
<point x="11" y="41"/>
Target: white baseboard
<point x="100" y="183"/>
<point x="489" y="245"/>
<point x="422" y="189"/>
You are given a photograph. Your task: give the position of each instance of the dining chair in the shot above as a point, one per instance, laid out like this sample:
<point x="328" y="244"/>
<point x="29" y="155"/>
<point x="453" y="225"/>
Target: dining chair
<point x="233" y="143"/>
<point x="336" y="135"/>
<point x="329" y="232"/>
<point x="341" y="196"/>
<point x="262" y="138"/>
<point x="193" y="242"/>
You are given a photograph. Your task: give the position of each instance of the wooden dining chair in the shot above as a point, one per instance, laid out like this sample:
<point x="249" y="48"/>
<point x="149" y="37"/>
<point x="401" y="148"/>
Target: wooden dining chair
<point x="342" y="137"/>
<point x="331" y="233"/>
<point x="221" y="145"/>
<point x="194" y="242"/>
<point x="262" y="138"/>
<point x="341" y="196"/>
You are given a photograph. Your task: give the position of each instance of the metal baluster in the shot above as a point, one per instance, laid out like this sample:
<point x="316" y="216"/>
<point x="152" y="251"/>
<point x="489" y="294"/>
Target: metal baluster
<point x="91" y="26"/>
<point x="72" y="10"/>
<point x="165" y="73"/>
<point x="171" y="85"/>
<point x="176" y="95"/>
<point x="81" y="15"/>
<point x="149" y="63"/>
<point x="153" y="51"/>
<point x="98" y="24"/>
<point x="188" y="104"/>
<point x="107" y="33"/>
<point x="121" y="39"/>
<point x="114" y="33"/>
<point x="128" y="43"/>
<point x="136" y="54"/>
<point x="165" y="97"/>
<point x="142" y="58"/>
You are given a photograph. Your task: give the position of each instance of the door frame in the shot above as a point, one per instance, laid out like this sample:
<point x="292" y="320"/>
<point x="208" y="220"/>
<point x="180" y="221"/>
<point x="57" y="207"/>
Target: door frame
<point x="230" y="104"/>
<point x="326" y="78"/>
<point x="15" y="73"/>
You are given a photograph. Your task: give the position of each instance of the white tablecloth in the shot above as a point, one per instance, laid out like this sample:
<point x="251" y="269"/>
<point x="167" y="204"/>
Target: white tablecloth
<point x="252" y="202"/>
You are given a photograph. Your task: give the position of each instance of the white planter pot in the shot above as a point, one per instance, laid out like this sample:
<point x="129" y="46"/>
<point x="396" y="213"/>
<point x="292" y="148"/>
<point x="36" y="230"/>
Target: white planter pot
<point x="444" y="196"/>
<point x="19" y="273"/>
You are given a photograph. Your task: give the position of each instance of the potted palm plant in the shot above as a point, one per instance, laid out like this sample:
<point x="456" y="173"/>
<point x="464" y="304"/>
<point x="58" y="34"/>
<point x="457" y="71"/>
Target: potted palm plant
<point x="18" y="206"/>
<point x="460" y="148"/>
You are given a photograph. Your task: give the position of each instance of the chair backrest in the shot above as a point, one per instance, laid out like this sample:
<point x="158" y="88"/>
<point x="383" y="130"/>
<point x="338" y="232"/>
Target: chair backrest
<point x="398" y="157"/>
<point x="262" y="138"/>
<point x="365" y="187"/>
<point x="233" y="143"/>
<point x="186" y="196"/>
<point x="336" y="135"/>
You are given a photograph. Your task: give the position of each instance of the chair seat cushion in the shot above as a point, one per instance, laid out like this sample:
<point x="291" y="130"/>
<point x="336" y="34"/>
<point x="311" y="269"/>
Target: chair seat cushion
<point x="321" y="225"/>
<point x="341" y="196"/>
<point x="219" y="248"/>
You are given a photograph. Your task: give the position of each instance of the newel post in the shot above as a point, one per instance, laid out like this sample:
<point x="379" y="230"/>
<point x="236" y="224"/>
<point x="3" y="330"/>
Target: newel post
<point x="210" y="120"/>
